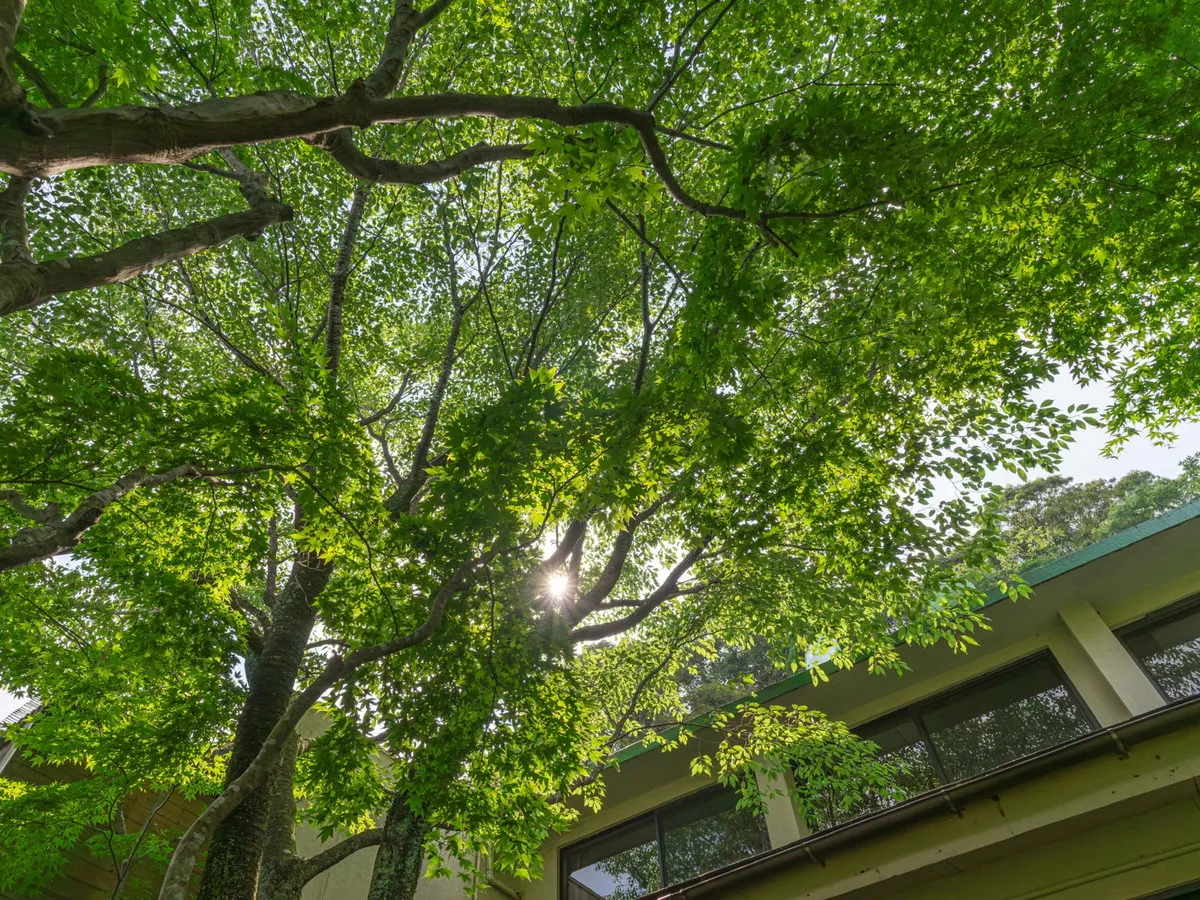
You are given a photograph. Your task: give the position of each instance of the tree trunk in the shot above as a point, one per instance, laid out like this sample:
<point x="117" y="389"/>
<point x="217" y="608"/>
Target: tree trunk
<point x="234" y="855"/>
<point x="279" y="841"/>
<point x="401" y="857"/>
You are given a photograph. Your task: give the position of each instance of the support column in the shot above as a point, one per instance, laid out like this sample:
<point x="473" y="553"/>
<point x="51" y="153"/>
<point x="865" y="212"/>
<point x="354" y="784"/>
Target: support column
<point x="1134" y="692"/>
<point x="783" y="824"/>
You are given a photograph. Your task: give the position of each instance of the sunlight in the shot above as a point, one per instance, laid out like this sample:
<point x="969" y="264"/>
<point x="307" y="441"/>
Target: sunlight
<point x="558" y="585"/>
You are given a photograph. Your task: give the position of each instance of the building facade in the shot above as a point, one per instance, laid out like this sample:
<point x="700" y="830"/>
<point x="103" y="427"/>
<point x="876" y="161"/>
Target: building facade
<point x="1060" y="758"/>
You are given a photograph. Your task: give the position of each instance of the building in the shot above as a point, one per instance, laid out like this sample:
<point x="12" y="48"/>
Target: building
<point x="1061" y="758"/>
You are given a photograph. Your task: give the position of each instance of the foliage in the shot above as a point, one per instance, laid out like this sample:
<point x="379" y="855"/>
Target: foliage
<point x="689" y="307"/>
<point x="1049" y="517"/>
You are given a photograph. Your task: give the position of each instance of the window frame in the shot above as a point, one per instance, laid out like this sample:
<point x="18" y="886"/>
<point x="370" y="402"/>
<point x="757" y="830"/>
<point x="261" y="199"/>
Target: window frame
<point x="654" y="815"/>
<point x="1178" y="609"/>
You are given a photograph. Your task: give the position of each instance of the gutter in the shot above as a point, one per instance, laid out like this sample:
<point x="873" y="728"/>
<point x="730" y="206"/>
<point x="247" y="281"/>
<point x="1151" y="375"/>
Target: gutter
<point x="948" y="797"/>
<point x="502" y="889"/>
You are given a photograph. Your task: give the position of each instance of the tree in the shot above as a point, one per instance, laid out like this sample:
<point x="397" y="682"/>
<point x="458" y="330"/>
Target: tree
<point x="622" y="323"/>
<point x="1049" y="517"/>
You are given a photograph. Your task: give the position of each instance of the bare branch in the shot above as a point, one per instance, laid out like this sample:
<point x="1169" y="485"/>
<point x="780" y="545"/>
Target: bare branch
<point x="404" y="24"/>
<point x="131" y="860"/>
<point x="28" y="285"/>
<point x="35" y="75"/>
<point x="613" y="567"/>
<point x="314" y="865"/>
<point x="390" y="405"/>
<point x="78" y="138"/>
<point x="664" y="592"/>
<point x="572" y="538"/>
<point x="678" y="70"/>
<point x="548" y="299"/>
<point x="341" y="277"/>
<point x="101" y="87"/>
<point x="403" y="496"/>
<point x="647" y="324"/>
<point x="55" y="534"/>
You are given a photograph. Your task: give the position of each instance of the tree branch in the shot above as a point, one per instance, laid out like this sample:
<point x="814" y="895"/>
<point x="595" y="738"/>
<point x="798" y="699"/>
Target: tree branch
<point x="402" y="27"/>
<point x="664" y="592"/>
<point x="403" y="496"/>
<point x="314" y="865"/>
<point x="682" y="67"/>
<point x="101" y="87"/>
<point x="127" y="867"/>
<point x="27" y="285"/>
<point x="390" y="405"/>
<point x="11" y="93"/>
<point x="187" y="851"/>
<point x="56" y="534"/>
<point x="35" y="75"/>
<point x="14" y="230"/>
<point x="615" y="565"/>
<point x="340" y="145"/>
<point x="341" y="276"/>
<point x="639" y="377"/>
<point x="71" y="139"/>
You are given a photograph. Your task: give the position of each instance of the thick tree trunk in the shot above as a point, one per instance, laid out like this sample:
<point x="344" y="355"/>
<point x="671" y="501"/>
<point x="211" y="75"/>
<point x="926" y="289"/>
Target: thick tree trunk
<point x="279" y="841"/>
<point x="401" y="857"/>
<point x="234" y="855"/>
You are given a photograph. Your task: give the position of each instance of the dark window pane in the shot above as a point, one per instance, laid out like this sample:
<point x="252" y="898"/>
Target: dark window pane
<point x="1017" y="713"/>
<point x="618" y="865"/>
<point x="708" y="832"/>
<point x="900" y="744"/>
<point x="1170" y="651"/>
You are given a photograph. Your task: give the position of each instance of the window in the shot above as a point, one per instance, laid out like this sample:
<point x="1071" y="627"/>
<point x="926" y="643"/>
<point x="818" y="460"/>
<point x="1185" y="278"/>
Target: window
<point x="696" y="835"/>
<point x="1168" y="647"/>
<point x="1186" y="892"/>
<point x="968" y="731"/>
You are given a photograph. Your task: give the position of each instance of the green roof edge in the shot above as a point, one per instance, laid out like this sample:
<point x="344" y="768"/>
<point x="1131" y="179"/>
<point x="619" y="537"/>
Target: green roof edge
<point x="1039" y="575"/>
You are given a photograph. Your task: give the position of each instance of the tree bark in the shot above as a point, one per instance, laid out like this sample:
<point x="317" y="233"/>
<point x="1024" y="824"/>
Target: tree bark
<point x="25" y="285"/>
<point x="117" y="135"/>
<point x="187" y="852"/>
<point x="399" y="862"/>
<point x="235" y="852"/>
<point x="279" y="841"/>
<point x="11" y="94"/>
<point x="14" y="231"/>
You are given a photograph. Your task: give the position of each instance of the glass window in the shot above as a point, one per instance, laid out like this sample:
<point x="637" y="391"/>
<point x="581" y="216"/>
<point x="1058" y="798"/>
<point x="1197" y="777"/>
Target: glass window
<point x="1013" y="714"/>
<point x="1169" y="650"/>
<point x="622" y="863"/>
<point x="969" y="731"/>
<point x="696" y="835"/>
<point x="707" y="833"/>
<point x="901" y="744"/>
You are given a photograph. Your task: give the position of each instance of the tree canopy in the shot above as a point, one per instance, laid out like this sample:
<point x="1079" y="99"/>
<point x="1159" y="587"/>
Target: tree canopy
<point x="467" y="369"/>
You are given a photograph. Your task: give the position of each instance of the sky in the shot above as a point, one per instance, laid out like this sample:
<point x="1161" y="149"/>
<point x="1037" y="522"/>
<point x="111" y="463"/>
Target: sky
<point x="1083" y="460"/>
